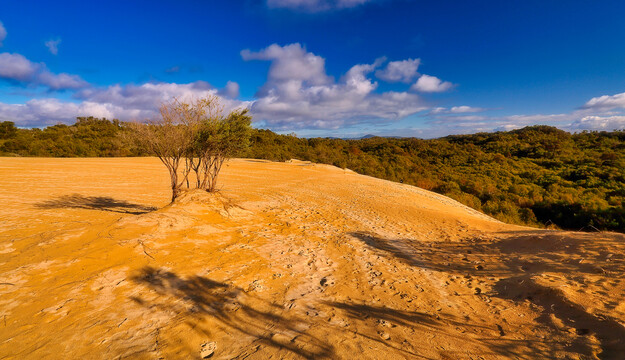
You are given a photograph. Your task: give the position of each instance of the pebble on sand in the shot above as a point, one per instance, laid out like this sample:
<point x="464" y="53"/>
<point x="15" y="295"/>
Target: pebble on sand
<point x="208" y="349"/>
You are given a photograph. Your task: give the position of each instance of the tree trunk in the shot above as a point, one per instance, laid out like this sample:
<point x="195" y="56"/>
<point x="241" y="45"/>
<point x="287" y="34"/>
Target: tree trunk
<point x="173" y="173"/>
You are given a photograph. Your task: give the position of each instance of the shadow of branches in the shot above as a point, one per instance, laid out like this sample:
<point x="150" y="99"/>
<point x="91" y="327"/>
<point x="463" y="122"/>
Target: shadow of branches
<point x="233" y="308"/>
<point x="438" y="325"/>
<point x="552" y="301"/>
<point x="515" y="259"/>
<point x="514" y="253"/>
<point x="102" y="203"/>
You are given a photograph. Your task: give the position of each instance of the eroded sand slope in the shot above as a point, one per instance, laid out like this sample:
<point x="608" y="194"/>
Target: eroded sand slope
<point x="289" y="260"/>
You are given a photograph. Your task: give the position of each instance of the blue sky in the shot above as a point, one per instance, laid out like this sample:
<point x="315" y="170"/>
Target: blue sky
<point x="321" y="67"/>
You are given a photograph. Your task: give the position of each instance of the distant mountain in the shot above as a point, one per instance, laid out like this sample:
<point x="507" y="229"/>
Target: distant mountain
<point x="368" y="136"/>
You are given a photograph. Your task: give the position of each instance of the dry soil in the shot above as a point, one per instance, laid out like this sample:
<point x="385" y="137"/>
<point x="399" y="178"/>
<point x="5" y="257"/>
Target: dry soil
<point x="287" y="260"/>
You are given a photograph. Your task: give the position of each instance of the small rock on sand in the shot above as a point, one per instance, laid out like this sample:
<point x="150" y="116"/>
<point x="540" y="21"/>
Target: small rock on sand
<point x="282" y="338"/>
<point x="208" y="349"/>
<point x="384" y="335"/>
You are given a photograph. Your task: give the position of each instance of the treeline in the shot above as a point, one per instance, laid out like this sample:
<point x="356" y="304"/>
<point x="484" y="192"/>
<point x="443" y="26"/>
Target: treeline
<point x="88" y="137"/>
<point x="537" y="175"/>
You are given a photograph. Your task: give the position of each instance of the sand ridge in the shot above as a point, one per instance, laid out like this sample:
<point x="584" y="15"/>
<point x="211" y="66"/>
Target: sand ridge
<point x="288" y="260"/>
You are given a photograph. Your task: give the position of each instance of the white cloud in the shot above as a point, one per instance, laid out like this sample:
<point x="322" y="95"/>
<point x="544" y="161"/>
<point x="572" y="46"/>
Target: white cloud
<point x="404" y="71"/>
<point x="3" y="33"/>
<point x="143" y="97"/>
<point x="427" y="83"/>
<point x="315" y="5"/>
<point x="450" y="123"/>
<point x="606" y="102"/>
<point x="39" y="112"/>
<point x="299" y="94"/>
<point x="53" y="46"/>
<point x="60" y="81"/>
<point x="230" y="91"/>
<point x="291" y="63"/>
<point x="337" y="105"/>
<point x="444" y="123"/>
<point x="130" y="102"/>
<point x="468" y="118"/>
<point x="465" y="109"/>
<point x="607" y="123"/>
<point x="573" y="122"/>
<point x="142" y="101"/>
<point x="456" y="110"/>
<point x="16" y="68"/>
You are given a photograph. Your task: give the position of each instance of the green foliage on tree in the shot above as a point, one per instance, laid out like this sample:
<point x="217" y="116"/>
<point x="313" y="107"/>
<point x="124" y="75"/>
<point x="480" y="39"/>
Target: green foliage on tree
<point x="88" y="137"/>
<point x="219" y="139"/>
<point x="193" y="136"/>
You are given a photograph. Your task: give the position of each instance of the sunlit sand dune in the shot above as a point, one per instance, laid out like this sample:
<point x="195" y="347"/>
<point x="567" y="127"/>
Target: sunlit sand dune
<point x="287" y="260"/>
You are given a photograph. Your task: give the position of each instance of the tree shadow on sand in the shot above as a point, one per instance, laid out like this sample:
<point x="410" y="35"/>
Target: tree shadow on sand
<point x="102" y="203"/>
<point x="517" y="258"/>
<point x="438" y="325"/>
<point x="198" y="297"/>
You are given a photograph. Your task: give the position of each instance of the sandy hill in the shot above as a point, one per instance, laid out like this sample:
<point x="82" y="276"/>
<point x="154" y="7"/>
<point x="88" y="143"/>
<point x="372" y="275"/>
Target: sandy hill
<point x="288" y="260"/>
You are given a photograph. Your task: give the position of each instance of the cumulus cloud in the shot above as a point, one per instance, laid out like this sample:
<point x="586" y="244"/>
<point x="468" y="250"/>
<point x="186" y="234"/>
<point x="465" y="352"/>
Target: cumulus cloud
<point x="129" y="102"/>
<point x="606" y="102"/>
<point x="291" y="63"/>
<point x="3" y="33"/>
<point x="40" y="112"/>
<point x="16" y="68"/>
<point x="299" y="94"/>
<point x="142" y="101"/>
<point x="315" y="5"/>
<point x="441" y="121"/>
<point x="230" y="91"/>
<point x="60" y="81"/>
<point x="53" y="46"/>
<point x="427" y="83"/>
<point x="404" y="71"/>
<point x="607" y="123"/>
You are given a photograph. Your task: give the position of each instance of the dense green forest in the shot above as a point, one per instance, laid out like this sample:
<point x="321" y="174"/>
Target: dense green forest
<point x="537" y="175"/>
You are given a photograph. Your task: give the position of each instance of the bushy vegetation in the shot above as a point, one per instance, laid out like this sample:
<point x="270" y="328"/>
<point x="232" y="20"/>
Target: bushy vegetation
<point x="537" y="175"/>
<point x="192" y="137"/>
<point x="88" y="137"/>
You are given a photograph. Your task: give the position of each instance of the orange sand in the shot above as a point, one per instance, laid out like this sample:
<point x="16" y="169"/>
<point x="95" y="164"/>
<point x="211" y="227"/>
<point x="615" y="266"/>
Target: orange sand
<point x="289" y="260"/>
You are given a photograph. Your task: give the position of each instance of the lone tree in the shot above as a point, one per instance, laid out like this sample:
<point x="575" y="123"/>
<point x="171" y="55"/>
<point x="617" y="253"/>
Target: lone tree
<point x="194" y="136"/>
